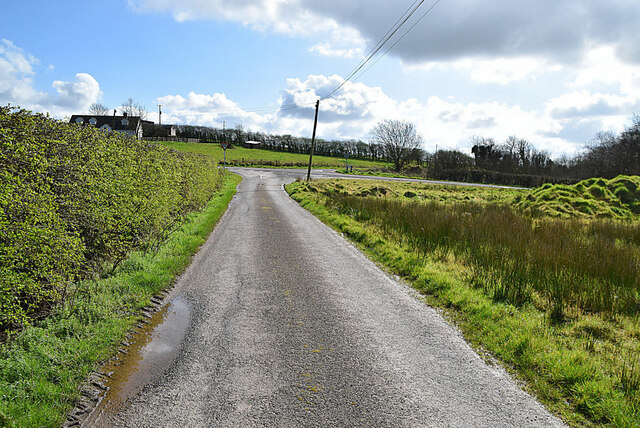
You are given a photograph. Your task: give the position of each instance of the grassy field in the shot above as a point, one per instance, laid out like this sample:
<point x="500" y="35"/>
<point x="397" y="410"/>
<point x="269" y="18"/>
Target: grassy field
<point x="42" y="368"/>
<point x="555" y="297"/>
<point x="240" y="156"/>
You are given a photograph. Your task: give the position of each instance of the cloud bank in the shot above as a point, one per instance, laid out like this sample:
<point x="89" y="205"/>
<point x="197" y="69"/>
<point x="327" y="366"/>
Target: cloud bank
<point x="560" y="30"/>
<point x="17" y="85"/>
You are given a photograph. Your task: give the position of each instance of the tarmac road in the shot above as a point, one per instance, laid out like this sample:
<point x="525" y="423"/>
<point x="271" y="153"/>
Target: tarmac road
<point x="292" y="326"/>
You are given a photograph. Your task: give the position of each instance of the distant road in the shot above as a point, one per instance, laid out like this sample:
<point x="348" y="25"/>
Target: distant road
<point x="330" y="173"/>
<point x="292" y="326"/>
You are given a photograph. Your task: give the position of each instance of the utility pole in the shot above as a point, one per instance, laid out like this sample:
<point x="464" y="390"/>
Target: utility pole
<point x="313" y="140"/>
<point x="224" y="131"/>
<point x="160" y="114"/>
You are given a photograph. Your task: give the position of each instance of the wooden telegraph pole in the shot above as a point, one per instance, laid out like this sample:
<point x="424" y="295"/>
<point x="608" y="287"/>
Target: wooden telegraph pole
<point x="313" y="140"/>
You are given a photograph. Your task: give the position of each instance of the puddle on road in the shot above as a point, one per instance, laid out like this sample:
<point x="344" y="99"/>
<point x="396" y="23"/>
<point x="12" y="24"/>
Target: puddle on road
<point x="152" y="349"/>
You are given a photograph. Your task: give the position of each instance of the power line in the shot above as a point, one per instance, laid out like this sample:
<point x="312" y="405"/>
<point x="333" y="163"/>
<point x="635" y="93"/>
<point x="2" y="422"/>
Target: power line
<point x="370" y="54"/>
<point x="377" y="48"/>
<point x="385" y="34"/>
<point x="400" y="22"/>
<point x="398" y="41"/>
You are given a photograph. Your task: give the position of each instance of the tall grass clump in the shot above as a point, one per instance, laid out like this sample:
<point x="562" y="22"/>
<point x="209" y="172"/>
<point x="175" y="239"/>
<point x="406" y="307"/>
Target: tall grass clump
<point x="562" y="263"/>
<point x="74" y="201"/>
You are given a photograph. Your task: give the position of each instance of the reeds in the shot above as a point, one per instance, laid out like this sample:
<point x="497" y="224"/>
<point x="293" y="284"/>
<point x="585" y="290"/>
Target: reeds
<point x="589" y="265"/>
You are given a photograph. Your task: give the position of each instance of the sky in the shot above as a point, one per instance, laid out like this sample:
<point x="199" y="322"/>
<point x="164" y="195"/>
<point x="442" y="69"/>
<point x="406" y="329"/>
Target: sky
<point x="555" y="72"/>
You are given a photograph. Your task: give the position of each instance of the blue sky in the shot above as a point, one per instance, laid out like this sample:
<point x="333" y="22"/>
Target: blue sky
<point x="552" y="71"/>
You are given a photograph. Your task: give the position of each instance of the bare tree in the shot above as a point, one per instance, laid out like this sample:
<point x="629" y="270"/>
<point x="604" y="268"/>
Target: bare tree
<point x="523" y="151"/>
<point x="134" y="108"/>
<point x="99" y="109"/>
<point x="398" y="140"/>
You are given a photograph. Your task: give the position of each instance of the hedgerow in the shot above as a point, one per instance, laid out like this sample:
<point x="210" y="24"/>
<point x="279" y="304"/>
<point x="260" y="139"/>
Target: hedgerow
<point x="74" y="201"/>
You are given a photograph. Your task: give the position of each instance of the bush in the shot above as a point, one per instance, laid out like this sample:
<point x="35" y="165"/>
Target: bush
<point x="74" y="201"/>
<point x="471" y="175"/>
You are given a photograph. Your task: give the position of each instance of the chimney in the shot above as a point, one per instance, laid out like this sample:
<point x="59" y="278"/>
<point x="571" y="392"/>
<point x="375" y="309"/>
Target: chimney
<point x="124" y="114"/>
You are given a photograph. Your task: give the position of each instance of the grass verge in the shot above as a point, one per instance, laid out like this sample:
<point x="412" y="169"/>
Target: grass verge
<point x="42" y="368"/>
<point x="586" y="368"/>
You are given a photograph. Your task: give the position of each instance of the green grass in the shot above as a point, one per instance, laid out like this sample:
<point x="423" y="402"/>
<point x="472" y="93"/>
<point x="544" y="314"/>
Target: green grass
<point x="42" y="368"/>
<point x="424" y="192"/>
<point x="555" y="300"/>
<point x="240" y="156"/>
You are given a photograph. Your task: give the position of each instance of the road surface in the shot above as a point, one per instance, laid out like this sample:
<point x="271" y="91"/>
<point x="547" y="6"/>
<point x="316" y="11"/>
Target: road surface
<point x="292" y="326"/>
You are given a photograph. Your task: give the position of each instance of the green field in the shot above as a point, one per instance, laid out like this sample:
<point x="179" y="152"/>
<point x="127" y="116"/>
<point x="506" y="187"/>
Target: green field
<point x="240" y="156"/>
<point x="555" y="297"/>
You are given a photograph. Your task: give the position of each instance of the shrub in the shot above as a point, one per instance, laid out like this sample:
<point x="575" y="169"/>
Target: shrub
<point x="74" y="201"/>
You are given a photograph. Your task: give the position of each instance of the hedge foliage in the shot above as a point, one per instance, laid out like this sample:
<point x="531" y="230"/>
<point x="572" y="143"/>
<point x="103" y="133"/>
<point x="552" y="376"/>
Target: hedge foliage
<point x="494" y="177"/>
<point x="74" y="201"/>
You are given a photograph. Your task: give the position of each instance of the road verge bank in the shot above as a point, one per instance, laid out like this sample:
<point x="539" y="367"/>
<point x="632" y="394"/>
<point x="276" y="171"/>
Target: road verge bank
<point x="564" y="364"/>
<point x="41" y="370"/>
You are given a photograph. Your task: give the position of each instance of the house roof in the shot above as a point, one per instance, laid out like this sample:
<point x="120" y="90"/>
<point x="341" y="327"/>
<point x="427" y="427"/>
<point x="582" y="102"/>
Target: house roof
<point x="115" y="122"/>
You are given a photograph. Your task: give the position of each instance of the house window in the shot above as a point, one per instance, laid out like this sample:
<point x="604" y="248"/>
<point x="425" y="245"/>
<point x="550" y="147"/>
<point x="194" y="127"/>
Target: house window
<point x="93" y="121"/>
<point x="125" y="122"/>
<point x="105" y="127"/>
<point x="79" y="121"/>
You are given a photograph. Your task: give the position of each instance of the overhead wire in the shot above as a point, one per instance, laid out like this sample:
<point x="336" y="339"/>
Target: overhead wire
<point x="385" y="35"/>
<point x="397" y="41"/>
<point x="407" y="15"/>
<point x="400" y="22"/>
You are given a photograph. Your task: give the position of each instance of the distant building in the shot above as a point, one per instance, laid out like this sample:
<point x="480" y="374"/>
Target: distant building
<point x="152" y="130"/>
<point x="252" y="144"/>
<point x="131" y="125"/>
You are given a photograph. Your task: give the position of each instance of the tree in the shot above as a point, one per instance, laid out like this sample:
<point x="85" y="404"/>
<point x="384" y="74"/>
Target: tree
<point x="134" y="108"/>
<point x="398" y="140"/>
<point x="99" y="109"/>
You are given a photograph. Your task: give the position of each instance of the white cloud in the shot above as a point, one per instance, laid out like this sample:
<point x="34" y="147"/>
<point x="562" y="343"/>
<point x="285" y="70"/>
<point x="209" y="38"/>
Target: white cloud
<point x="17" y="86"/>
<point x="76" y="95"/>
<point x="326" y="49"/>
<point x="356" y="108"/>
<point x="499" y="70"/>
<point x="344" y="43"/>
<point x="282" y="16"/>
<point x="207" y="110"/>
<point x="602" y="66"/>
<point x="580" y="104"/>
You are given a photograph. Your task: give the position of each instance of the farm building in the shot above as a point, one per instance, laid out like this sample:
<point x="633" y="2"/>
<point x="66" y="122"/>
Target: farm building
<point x="152" y="130"/>
<point x="252" y="144"/>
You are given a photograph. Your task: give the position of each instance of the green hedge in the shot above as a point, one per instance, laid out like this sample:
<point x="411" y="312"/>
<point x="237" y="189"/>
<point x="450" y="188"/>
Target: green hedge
<point x="74" y="201"/>
<point x="496" y="177"/>
<point x="488" y="177"/>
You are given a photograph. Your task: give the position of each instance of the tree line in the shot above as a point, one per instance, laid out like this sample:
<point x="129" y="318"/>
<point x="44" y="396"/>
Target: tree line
<point x="513" y="161"/>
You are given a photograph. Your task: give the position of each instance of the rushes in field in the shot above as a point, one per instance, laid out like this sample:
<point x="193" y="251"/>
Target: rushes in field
<point x="588" y="265"/>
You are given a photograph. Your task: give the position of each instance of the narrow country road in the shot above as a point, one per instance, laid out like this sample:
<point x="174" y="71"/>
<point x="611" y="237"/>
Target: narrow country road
<point x="292" y="326"/>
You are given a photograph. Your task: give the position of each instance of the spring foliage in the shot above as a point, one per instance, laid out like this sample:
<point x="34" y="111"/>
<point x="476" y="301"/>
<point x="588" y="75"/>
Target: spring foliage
<point x="74" y="201"/>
